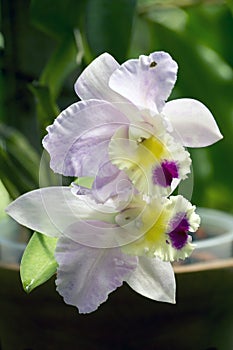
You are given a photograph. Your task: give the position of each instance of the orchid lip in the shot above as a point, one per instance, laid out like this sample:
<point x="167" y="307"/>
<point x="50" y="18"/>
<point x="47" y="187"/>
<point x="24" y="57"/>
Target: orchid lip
<point x="179" y="235"/>
<point x="164" y="174"/>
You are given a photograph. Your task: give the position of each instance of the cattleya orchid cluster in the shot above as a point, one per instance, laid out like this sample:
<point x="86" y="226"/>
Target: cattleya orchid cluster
<point x="127" y="227"/>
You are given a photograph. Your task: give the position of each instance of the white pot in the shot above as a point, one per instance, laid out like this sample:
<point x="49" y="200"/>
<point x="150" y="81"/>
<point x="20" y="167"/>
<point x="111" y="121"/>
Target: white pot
<point x="218" y="224"/>
<point x="219" y="228"/>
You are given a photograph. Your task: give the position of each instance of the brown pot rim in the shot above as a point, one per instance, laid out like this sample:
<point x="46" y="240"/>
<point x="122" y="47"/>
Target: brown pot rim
<point x="203" y="266"/>
<point x="178" y="269"/>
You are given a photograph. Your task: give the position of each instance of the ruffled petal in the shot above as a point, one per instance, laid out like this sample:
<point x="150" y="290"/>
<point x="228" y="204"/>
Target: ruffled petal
<point x="146" y="82"/>
<point x="179" y="204"/>
<point x="193" y="123"/>
<point x="93" y="82"/>
<point x="52" y="210"/>
<point x="154" y="279"/>
<point x="78" y="139"/>
<point x="86" y="276"/>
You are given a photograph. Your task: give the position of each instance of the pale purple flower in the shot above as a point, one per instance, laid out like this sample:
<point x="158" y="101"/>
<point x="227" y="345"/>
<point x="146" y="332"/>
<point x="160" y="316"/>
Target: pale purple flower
<point x="121" y="134"/>
<point x="127" y="103"/>
<point x="102" y="245"/>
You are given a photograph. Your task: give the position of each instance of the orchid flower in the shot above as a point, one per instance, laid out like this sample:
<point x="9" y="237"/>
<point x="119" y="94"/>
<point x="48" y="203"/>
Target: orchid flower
<point x="102" y="245"/>
<point x="123" y="119"/>
<point x="131" y="142"/>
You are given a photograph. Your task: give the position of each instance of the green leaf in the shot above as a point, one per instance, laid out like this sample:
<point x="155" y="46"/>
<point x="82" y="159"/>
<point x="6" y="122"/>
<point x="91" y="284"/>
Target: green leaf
<point x="85" y="181"/>
<point x="61" y="64"/>
<point x="17" y="146"/>
<point x="47" y="175"/>
<point x="5" y="200"/>
<point x="56" y="17"/>
<point x="12" y="188"/>
<point x="19" y="162"/>
<point x="46" y="108"/>
<point x="108" y="26"/>
<point x="38" y="263"/>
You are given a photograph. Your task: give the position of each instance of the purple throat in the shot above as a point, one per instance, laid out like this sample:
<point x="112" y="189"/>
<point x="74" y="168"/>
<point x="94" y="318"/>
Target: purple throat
<point x="179" y="234"/>
<point x="165" y="173"/>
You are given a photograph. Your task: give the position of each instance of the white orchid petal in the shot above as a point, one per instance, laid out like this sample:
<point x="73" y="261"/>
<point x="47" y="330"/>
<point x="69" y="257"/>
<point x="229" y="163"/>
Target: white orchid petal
<point x="77" y="141"/>
<point x="154" y="279"/>
<point x="87" y="275"/>
<point x="52" y="210"/>
<point x="93" y="82"/>
<point x="193" y="123"/>
<point x="100" y="234"/>
<point x="146" y="82"/>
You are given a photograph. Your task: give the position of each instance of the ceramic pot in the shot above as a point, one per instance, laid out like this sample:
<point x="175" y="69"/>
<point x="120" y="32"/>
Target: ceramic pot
<point x="202" y="319"/>
<point x="218" y="227"/>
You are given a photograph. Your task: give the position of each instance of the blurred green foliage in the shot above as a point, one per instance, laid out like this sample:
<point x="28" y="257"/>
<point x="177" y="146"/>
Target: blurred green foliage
<point x="45" y="44"/>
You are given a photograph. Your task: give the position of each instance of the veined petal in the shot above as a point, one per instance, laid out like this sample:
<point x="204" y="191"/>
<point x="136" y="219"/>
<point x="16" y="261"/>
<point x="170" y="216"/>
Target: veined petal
<point x="52" y="210"/>
<point x="193" y="123"/>
<point x="77" y="141"/>
<point x="93" y="83"/>
<point x="154" y="279"/>
<point x="86" y="275"/>
<point x="100" y="234"/>
<point x="146" y="82"/>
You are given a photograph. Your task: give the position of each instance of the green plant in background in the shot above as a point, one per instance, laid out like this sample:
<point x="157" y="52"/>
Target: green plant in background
<point x="200" y="39"/>
<point x="46" y="44"/>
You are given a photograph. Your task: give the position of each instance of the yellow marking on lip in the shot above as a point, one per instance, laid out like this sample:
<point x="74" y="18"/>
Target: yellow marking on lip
<point x="156" y="150"/>
<point x="154" y="145"/>
<point x="155" y="226"/>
